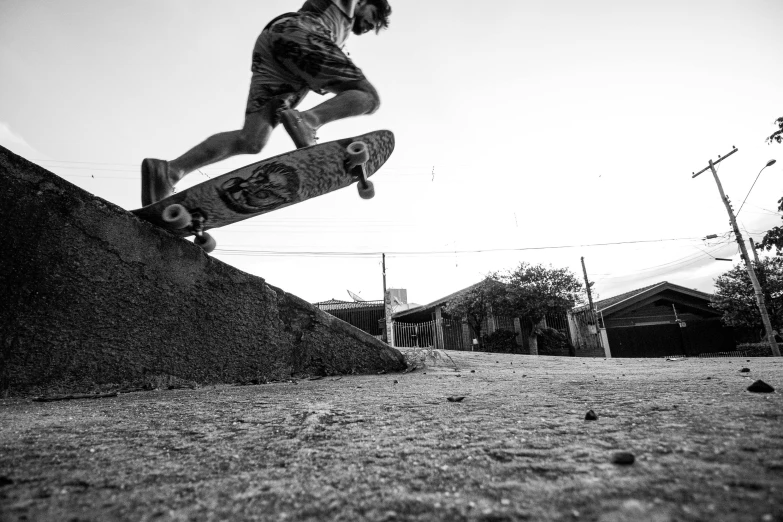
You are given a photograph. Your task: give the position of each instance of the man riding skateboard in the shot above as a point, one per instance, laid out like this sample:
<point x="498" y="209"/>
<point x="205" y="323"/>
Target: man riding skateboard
<point x="294" y="54"/>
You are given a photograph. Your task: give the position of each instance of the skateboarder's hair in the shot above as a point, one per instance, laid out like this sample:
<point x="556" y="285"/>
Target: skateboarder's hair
<point x="384" y="12"/>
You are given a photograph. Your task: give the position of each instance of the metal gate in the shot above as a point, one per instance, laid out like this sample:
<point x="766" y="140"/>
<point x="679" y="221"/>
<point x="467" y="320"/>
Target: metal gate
<point x="418" y="335"/>
<point x="659" y="340"/>
<point x="664" y="340"/>
<point x="453" y="336"/>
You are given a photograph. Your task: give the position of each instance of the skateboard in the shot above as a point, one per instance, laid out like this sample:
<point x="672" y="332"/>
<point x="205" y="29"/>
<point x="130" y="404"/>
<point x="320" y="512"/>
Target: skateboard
<point x="271" y="184"/>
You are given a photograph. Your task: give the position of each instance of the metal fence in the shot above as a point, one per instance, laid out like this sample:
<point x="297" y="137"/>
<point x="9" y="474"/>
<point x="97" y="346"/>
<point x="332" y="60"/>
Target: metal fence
<point x="454" y="336"/>
<point x="457" y="335"/>
<point x="724" y="354"/>
<point x="560" y="323"/>
<point x="711" y="355"/>
<point x="366" y="315"/>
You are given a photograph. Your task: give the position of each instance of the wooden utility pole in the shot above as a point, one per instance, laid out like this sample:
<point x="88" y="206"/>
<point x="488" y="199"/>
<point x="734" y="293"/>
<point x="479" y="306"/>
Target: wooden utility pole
<point x="744" y="251"/>
<point x="387" y="307"/>
<point x="592" y="308"/>
<point x="383" y="261"/>
<point x="755" y="254"/>
<point x="761" y="275"/>
<point x="587" y="285"/>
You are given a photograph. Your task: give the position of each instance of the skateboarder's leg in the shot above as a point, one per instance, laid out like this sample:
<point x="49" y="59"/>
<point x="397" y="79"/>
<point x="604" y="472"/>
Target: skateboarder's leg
<point x="158" y="177"/>
<point x="251" y="139"/>
<point x="354" y="98"/>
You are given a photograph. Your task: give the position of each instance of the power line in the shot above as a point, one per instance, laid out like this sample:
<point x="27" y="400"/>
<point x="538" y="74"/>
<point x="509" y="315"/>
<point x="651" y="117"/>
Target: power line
<point x="130" y="167"/>
<point x="769" y="164"/>
<point x="672" y="265"/>
<point x="251" y="252"/>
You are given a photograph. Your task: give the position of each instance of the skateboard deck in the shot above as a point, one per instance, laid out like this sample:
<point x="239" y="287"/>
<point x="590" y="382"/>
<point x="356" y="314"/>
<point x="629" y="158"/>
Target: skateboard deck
<point x="271" y="184"/>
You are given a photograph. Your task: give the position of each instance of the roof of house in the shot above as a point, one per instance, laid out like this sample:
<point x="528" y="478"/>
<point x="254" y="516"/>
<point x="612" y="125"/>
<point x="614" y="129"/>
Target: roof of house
<point x="622" y="300"/>
<point x="437" y="302"/>
<point x="603" y="305"/>
<point x="336" y="304"/>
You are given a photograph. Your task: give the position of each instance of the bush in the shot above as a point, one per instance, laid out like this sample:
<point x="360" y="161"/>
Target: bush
<point x="756" y="349"/>
<point x="553" y="342"/>
<point x="501" y="341"/>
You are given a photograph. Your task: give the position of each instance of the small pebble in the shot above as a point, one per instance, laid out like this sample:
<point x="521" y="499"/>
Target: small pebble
<point x="745" y="370"/>
<point x="623" y="458"/>
<point x="760" y="387"/>
<point x="591" y="416"/>
<point x="454" y="399"/>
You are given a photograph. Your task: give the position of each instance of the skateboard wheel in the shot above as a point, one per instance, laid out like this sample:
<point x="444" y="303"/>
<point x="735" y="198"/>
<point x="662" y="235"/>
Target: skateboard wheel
<point x="206" y="242"/>
<point x="358" y="153"/>
<point x="176" y="216"/>
<point x="366" y="189"/>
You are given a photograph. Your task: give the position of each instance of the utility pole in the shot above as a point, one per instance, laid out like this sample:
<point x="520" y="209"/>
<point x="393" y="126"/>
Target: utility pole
<point x="762" y="275"/>
<point x="744" y="251"/>
<point x="383" y="260"/>
<point x="590" y="301"/>
<point x="387" y="308"/>
<point x="755" y="254"/>
<point x="587" y="285"/>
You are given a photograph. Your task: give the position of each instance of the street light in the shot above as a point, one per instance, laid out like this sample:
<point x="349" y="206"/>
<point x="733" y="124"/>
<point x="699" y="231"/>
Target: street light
<point x="769" y="164"/>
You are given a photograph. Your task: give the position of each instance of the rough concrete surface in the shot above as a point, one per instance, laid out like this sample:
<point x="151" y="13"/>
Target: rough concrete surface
<point x="93" y="298"/>
<point x="394" y="447"/>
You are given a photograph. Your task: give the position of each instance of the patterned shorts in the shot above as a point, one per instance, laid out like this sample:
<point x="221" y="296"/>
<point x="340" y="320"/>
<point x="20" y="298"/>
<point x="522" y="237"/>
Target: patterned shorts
<point x="293" y="55"/>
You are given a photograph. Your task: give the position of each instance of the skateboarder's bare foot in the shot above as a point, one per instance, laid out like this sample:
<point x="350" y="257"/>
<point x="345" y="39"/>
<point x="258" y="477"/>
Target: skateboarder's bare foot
<point x="156" y="181"/>
<point x="300" y="130"/>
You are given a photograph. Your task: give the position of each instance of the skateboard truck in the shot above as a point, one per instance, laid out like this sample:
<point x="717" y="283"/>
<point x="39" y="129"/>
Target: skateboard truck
<point x="358" y="155"/>
<point x="177" y="216"/>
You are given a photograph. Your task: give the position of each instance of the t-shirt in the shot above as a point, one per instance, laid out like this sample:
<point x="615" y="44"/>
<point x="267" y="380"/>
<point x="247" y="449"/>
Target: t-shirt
<point x="337" y="16"/>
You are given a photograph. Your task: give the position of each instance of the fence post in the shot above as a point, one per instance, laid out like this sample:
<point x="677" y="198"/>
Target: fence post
<point x="387" y="304"/>
<point x="518" y="330"/>
<point x="438" y="329"/>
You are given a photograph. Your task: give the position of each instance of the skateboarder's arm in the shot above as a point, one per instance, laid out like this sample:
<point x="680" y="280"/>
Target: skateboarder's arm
<point x="348" y="7"/>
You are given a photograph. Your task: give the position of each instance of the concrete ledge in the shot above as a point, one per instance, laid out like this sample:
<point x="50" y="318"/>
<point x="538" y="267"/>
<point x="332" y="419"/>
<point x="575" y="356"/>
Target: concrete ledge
<point x="92" y="297"/>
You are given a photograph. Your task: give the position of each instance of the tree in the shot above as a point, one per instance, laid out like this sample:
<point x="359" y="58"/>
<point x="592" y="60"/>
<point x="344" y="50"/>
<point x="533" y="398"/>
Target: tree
<point x="735" y="296"/>
<point x="777" y="135"/>
<point x="774" y="238"/>
<point x="533" y="292"/>
<point x="476" y="303"/>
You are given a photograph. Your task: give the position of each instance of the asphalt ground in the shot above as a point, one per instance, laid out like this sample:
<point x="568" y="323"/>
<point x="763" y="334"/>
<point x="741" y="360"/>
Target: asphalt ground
<point x="464" y="436"/>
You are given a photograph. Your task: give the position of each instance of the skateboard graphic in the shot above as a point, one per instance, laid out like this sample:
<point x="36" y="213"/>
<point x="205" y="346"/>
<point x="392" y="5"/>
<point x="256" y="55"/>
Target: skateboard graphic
<point x="271" y="184"/>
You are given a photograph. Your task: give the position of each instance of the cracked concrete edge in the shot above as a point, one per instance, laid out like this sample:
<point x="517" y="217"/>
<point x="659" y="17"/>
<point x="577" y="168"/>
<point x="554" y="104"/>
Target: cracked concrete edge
<point x="77" y="261"/>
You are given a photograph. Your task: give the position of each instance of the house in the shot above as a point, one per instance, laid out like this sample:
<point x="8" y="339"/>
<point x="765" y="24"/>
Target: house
<point x="659" y="320"/>
<point x="365" y="315"/>
<point x="425" y="326"/>
<point x="368" y="316"/>
<point x="428" y="326"/>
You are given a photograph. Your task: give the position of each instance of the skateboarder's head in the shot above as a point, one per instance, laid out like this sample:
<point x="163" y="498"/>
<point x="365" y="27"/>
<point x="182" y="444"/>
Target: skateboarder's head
<point x="371" y="15"/>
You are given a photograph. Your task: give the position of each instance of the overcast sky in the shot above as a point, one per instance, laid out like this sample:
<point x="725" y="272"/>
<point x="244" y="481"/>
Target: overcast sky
<point x="531" y="131"/>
